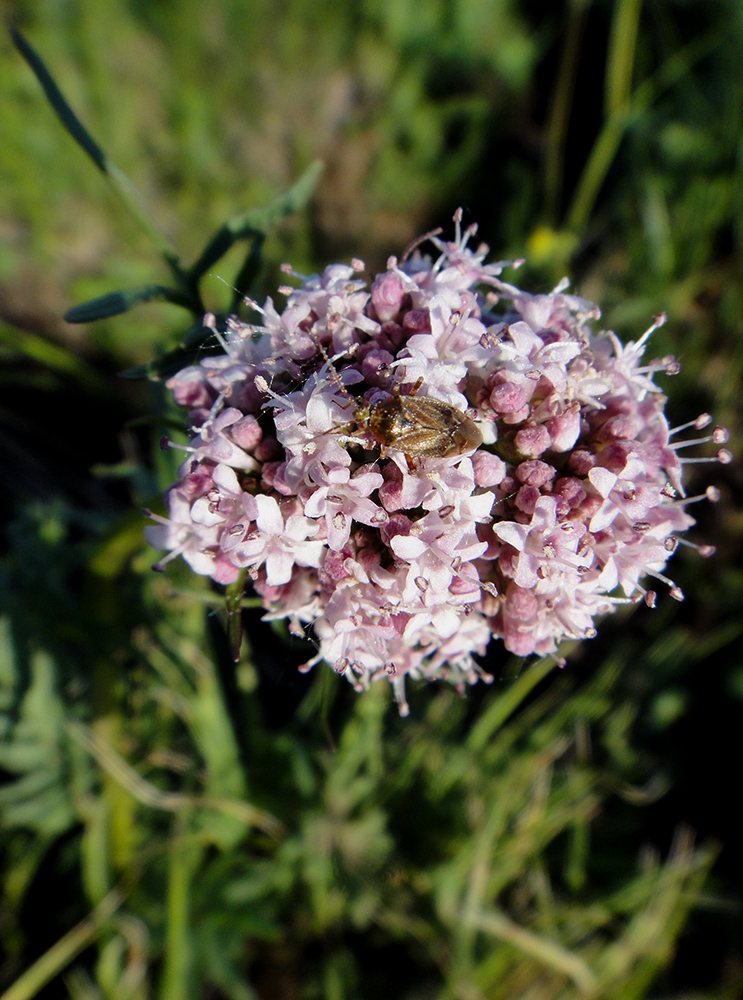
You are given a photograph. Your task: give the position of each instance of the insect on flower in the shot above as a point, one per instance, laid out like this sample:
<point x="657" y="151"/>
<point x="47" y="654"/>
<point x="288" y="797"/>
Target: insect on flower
<point x="410" y="572"/>
<point x="419" y="427"/>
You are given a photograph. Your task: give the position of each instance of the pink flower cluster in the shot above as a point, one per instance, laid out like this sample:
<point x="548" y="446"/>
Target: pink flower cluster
<point x="403" y="563"/>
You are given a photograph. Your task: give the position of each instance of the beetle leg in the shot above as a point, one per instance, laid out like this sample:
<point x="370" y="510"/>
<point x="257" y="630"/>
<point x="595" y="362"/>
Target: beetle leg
<point x="413" y="391"/>
<point x="346" y="428"/>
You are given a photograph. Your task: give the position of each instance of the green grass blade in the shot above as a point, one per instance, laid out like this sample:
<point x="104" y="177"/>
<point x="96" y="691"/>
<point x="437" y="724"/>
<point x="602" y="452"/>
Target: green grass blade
<point x="621" y="58"/>
<point x="606" y="146"/>
<point x="64" y="951"/>
<point x="121" y="183"/>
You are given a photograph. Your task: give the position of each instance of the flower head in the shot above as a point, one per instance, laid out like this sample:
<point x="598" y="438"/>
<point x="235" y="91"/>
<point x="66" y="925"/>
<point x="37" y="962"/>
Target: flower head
<point x="413" y="468"/>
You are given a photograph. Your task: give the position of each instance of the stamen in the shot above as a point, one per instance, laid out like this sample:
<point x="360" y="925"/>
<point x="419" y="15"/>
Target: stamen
<point x="702" y="421"/>
<point x="182" y="529"/>
<point x="723" y="456"/>
<point x="457" y="219"/>
<point x="159" y="566"/>
<point x="217" y="405"/>
<point x="304" y="668"/>
<point x="398" y="688"/>
<point x="166" y="443"/>
<point x="155" y="517"/>
<point x="348" y="674"/>
<point x="262" y="386"/>
<point x="252" y="304"/>
<point x="288" y="269"/>
<point x="658" y="322"/>
<point x="469" y="232"/>
<point x="675" y="591"/>
<point x="718" y="436"/>
<point x="619" y="600"/>
<point x="669" y="365"/>
<point x="705" y="551"/>
<point x="712" y="494"/>
<point x="210" y="322"/>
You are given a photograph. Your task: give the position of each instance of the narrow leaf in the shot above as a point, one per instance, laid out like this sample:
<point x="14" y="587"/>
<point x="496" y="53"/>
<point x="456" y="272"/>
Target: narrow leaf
<point x="216" y="248"/>
<point x="121" y="301"/>
<point x="120" y="182"/>
<point x="57" y="100"/>
<point x="291" y="201"/>
<point x="256" y="222"/>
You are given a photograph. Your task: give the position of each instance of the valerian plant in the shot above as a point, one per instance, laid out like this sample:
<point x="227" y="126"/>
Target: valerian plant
<point x="467" y="466"/>
<point x="406" y="468"/>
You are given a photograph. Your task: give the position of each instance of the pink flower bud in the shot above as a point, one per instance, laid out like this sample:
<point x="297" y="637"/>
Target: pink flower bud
<point x="565" y="428"/>
<point x="533" y="472"/>
<point x="489" y="469"/>
<point x="508" y="398"/>
<point x="246" y="432"/>
<point x="416" y="321"/>
<point x="533" y="441"/>
<point x="387" y="295"/>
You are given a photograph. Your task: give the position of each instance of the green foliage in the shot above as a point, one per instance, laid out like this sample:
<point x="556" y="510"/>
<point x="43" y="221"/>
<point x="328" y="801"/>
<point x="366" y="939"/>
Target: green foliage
<point x="385" y="98"/>
<point x="35" y="749"/>
<point x="497" y="846"/>
<point x="461" y="845"/>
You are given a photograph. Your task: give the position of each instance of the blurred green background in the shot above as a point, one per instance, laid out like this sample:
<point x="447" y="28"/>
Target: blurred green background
<point x="171" y="826"/>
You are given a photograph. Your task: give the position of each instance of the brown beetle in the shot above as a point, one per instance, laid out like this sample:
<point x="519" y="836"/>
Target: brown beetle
<point x="419" y="428"/>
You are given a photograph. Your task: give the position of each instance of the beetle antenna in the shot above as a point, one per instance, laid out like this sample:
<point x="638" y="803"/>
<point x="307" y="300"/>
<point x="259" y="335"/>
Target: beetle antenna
<point x="417" y="242"/>
<point x="331" y="367"/>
